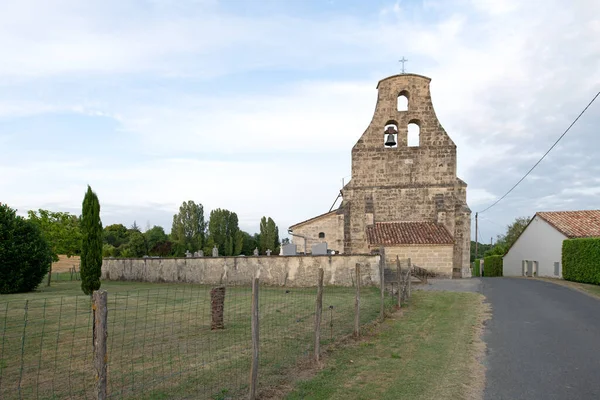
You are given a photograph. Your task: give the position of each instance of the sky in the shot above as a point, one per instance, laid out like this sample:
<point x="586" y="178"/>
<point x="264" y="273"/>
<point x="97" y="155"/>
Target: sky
<point x="254" y="106"/>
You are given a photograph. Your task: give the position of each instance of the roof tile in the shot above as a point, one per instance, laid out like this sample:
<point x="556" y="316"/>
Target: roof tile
<point x="574" y="224"/>
<point x="390" y="233"/>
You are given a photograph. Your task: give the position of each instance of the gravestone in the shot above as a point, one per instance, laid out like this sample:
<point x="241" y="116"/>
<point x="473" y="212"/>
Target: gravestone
<point x="255" y="252"/>
<point x="319" y="249"/>
<point x="268" y="252"/>
<point x="215" y="252"/>
<point x="288" y="249"/>
<point x="187" y="253"/>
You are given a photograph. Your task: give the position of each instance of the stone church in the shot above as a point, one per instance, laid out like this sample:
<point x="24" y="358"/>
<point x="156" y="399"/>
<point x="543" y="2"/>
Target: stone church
<point x="404" y="194"/>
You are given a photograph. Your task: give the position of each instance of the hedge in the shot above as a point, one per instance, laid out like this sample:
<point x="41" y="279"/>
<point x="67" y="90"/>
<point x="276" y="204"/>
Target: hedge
<point x="581" y="260"/>
<point x="476" y="264"/>
<point x="492" y="266"/>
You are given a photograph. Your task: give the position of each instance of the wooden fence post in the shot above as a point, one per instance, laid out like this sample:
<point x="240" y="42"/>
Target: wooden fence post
<point x="382" y="280"/>
<point x="100" y="334"/>
<point x="255" y="341"/>
<point x="400" y="281"/>
<point x="357" y="303"/>
<point x="217" y="307"/>
<point x="318" y="314"/>
<point x="410" y="279"/>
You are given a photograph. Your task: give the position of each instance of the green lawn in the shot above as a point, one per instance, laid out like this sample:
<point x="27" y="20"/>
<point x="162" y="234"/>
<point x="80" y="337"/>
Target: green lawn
<point x="160" y="344"/>
<point x="431" y="352"/>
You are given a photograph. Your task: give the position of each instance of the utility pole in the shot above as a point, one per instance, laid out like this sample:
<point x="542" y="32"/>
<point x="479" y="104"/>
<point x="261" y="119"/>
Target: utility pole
<point x="476" y="230"/>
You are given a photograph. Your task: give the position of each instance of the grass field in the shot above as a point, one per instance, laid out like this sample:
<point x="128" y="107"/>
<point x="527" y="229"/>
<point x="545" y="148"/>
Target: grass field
<point x="433" y="351"/>
<point x="160" y="345"/>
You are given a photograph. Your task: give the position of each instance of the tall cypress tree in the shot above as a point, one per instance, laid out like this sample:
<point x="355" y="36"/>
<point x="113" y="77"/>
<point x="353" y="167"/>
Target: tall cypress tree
<point x="91" y="246"/>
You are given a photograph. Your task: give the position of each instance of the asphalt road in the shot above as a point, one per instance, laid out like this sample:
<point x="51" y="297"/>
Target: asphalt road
<point x="543" y="341"/>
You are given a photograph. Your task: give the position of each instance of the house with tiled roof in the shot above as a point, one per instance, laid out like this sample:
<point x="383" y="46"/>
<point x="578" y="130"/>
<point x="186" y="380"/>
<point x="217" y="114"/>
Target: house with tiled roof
<point x="538" y="250"/>
<point x="404" y="195"/>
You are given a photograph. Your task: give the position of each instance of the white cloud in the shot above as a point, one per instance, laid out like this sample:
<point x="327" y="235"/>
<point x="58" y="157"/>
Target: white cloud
<point x="508" y="77"/>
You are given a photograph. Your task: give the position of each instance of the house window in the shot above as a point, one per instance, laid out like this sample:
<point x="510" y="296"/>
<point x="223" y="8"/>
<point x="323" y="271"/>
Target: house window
<point x="321" y="235"/>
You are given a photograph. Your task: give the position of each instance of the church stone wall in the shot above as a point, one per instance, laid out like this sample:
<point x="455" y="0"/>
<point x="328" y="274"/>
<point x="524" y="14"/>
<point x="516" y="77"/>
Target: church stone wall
<point x="332" y="225"/>
<point x="402" y="183"/>
<point x="437" y="259"/>
<point x="406" y="183"/>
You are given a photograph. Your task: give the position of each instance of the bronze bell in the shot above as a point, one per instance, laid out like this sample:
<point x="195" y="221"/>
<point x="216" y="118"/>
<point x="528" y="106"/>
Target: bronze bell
<point x="390" y="141"/>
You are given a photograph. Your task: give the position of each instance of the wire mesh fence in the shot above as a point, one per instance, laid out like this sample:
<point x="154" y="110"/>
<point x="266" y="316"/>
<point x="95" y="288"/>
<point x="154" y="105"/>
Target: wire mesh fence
<point x="45" y="348"/>
<point x="72" y="275"/>
<point x="174" y="341"/>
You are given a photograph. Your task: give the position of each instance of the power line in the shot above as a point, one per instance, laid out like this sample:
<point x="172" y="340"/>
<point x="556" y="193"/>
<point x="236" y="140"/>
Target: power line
<point x="544" y="156"/>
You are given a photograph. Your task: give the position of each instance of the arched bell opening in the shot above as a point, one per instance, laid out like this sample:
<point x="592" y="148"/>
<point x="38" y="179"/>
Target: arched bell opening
<point x="413" y="137"/>
<point x="402" y="101"/>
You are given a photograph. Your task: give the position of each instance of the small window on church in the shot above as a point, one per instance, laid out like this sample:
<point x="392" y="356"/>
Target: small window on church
<point x="402" y="101"/>
<point x="321" y="235"/>
<point x="414" y="132"/>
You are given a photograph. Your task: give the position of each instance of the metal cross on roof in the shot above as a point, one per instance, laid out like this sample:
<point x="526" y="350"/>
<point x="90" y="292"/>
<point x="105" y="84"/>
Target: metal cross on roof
<point x="403" y="61"/>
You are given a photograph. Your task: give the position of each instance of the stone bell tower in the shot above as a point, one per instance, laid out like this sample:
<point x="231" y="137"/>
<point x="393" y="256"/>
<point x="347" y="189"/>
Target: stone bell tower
<point x="397" y="178"/>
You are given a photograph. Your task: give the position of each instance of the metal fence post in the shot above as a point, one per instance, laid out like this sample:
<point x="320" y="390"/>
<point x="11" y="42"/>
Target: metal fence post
<point x="255" y="341"/>
<point x="357" y="303"/>
<point x="318" y="313"/>
<point x="100" y="334"/>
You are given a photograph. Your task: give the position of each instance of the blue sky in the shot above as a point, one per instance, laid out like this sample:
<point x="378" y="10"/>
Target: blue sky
<point x="254" y="106"/>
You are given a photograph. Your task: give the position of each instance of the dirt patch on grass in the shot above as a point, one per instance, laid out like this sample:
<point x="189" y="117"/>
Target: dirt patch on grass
<point x="64" y="264"/>
<point x="474" y="391"/>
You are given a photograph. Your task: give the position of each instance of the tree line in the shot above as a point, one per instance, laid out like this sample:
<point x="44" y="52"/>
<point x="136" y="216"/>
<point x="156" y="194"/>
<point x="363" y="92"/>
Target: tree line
<point x="503" y="241"/>
<point x="29" y="245"/>
<point x="189" y="232"/>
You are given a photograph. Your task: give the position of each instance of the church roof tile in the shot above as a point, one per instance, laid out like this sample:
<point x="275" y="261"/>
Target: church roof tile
<point x="399" y="233"/>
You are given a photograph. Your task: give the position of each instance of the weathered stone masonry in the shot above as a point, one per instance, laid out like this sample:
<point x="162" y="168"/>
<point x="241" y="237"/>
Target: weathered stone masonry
<point x="401" y="183"/>
<point x="300" y="271"/>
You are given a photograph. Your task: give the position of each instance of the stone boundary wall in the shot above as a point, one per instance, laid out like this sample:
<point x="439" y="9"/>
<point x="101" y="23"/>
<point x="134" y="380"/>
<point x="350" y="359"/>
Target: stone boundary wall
<point x="298" y="271"/>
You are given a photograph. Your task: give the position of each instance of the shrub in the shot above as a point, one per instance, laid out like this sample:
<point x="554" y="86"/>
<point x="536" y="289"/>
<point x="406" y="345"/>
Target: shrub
<point x="91" y="246"/>
<point x="581" y="260"/>
<point x="25" y="256"/>
<point x="492" y="266"/>
<point x="476" y="271"/>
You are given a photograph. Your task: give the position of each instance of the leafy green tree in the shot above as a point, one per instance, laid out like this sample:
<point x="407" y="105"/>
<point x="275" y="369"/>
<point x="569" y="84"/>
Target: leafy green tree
<point x="136" y="247"/>
<point x="135" y="227"/>
<point x="155" y="237"/>
<point x="269" y="236"/>
<point x="249" y="243"/>
<point x="91" y="245"/>
<point x="116" y="235"/>
<point x="224" y="232"/>
<point x="108" y="250"/>
<point x="482" y="248"/>
<point x="162" y="249"/>
<point x="25" y="255"/>
<point x="505" y="241"/>
<point x="188" y="231"/>
<point x="60" y="229"/>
